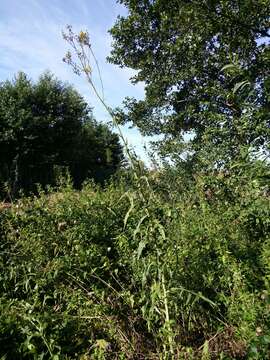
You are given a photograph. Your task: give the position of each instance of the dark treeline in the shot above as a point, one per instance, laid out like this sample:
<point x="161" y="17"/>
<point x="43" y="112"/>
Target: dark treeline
<point x="46" y="128"/>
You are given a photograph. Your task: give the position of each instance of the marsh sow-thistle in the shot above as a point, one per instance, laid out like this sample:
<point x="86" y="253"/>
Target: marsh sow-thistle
<point x="83" y="38"/>
<point x="159" y="305"/>
<point x="81" y="64"/>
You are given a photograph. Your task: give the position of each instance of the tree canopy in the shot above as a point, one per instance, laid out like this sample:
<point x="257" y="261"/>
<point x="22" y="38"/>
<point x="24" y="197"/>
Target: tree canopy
<point x="45" y="125"/>
<point x="205" y="65"/>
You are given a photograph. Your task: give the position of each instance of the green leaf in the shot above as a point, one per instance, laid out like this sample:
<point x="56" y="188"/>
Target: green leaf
<point x="229" y="67"/>
<point x="240" y="86"/>
<point x="141" y="246"/>
<point x="130" y="197"/>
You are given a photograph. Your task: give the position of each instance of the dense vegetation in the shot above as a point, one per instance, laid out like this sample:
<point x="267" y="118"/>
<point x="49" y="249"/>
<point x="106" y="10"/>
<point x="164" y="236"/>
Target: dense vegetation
<point x="130" y="274"/>
<point x="171" y="263"/>
<point x="46" y="127"/>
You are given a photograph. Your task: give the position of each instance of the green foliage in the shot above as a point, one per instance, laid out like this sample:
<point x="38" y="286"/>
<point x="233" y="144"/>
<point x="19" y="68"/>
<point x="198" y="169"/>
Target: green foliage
<point x="128" y="273"/>
<point x="164" y="264"/>
<point x="48" y="124"/>
<point x="181" y="49"/>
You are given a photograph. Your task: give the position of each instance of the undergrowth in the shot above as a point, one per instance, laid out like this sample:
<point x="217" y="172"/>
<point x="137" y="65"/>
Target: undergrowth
<point x="122" y="273"/>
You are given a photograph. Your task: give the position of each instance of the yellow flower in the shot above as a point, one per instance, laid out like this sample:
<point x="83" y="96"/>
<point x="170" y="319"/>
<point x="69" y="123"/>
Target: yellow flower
<point x="83" y="37"/>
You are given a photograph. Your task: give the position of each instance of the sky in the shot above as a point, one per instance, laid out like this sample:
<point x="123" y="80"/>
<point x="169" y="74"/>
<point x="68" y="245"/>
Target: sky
<point x="31" y="41"/>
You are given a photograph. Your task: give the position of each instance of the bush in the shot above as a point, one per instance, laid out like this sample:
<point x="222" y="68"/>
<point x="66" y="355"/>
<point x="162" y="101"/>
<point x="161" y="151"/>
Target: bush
<point x="134" y="274"/>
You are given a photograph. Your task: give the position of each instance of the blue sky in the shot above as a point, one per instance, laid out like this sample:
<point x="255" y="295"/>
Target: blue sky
<point x="31" y="41"/>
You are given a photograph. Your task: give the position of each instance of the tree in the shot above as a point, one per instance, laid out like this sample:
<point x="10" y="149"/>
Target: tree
<point x="99" y="152"/>
<point x="48" y="124"/>
<point x="180" y="49"/>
